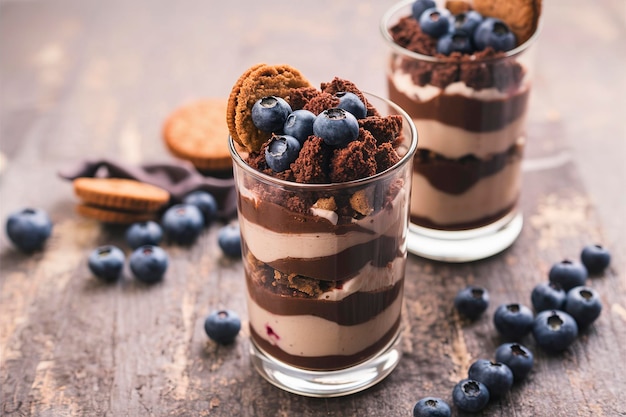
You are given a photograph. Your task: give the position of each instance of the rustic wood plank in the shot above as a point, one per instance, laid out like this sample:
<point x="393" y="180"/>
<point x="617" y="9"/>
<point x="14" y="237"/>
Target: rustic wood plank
<point x="98" y="79"/>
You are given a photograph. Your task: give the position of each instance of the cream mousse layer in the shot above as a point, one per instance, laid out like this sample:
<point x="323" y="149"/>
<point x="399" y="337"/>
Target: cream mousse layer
<point x="492" y="196"/>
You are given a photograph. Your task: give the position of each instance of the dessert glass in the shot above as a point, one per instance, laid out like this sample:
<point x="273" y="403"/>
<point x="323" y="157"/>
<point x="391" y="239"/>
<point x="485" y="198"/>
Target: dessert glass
<point x="324" y="290"/>
<point x="467" y="171"/>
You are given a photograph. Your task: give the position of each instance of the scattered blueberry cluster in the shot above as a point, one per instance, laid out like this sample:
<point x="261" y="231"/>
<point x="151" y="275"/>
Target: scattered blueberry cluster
<point x="464" y="32"/>
<point x="336" y="126"/>
<point x="29" y="228"/>
<point x="563" y="305"/>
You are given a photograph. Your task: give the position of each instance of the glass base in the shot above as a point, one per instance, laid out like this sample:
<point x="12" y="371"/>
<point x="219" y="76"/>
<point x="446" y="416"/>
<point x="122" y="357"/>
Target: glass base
<point x="465" y="245"/>
<point x="325" y="384"/>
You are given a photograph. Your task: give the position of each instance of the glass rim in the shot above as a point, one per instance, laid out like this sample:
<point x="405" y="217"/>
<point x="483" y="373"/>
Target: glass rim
<point x="408" y="156"/>
<point x="415" y="55"/>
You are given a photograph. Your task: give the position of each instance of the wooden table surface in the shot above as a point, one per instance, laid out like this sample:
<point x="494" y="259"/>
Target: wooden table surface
<point x="86" y="79"/>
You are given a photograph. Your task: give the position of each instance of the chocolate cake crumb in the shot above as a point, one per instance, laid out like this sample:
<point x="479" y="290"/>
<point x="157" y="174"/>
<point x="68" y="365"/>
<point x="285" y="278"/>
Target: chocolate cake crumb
<point x="386" y="157"/>
<point x="299" y="97"/>
<point x="311" y="166"/>
<point x="384" y="129"/>
<point x="340" y="85"/>
<point x="356" y="160"/>
<point x="321" y="102"/>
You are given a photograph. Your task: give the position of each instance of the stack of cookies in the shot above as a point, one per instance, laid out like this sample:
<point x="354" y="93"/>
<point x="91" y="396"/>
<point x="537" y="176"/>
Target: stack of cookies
<point x="118" y="200"/>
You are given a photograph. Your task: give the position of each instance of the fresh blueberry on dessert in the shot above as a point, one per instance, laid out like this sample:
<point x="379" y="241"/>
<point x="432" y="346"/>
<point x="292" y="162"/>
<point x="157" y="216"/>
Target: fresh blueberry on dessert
<point x="206" y="202"/>
<point x="583" y="303"/>
<point x="29" y="229"/>
<point x="513" y="321"/>
<point x="595" y="258"/>
<point x="352" y="103"/>
<point x="229" y="240"/>
<point x="419" y="6"/>
<point x="497" y="377"/>
<point x="222" y="326"/>
<point x="435" y="21"/>
<point x="467" y="21"/>
<point x="457" y="41"/>
<point x="431" y="407"/>
<point x="183" y="223"/>
<point x="471" y="301"/>
<point x="554" y="330"/>
<point x="106" y="262"/>
<point x="281" y="151"/>
<point x="517" y="357"/>
<point x="568" y="274"/>
<point x="470" y="395"/>
<point x="148" y="263"/>
<point x="336" y="127"/>
<point x="299" y="124"/>
<point x="494" y="33"/>
<point x="270" y="113"/>
<point x="144" y="233"/>
<point x="548" y="296"/>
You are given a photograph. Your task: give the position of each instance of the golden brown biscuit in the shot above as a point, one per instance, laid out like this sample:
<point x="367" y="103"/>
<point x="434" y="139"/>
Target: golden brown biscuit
<point x="258" y="82"/>
<point x="198" y="133"/>
<point x="458" y="6"/>
<point x="113" y="216"/>
<point x="522" y="16"/>
<point x="118" y="193"/>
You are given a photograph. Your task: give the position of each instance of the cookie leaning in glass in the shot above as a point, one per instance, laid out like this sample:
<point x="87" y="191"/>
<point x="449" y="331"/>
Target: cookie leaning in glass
<point x="464" y="75"/>
<point x="323" y="212"/>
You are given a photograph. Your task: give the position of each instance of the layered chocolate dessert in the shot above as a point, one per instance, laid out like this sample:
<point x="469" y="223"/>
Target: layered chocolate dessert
<point x="324" y="235"/>
<point x="469" y="103"/>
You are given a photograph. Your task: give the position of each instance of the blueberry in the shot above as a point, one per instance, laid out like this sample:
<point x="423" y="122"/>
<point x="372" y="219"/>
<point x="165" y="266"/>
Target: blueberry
<point x="471" y="396"/>
<point x="148" y="263"/>
<point x="595" y="258"/>
<point x="29" y="229"/>
<point x="547" y="296"/>
<point x="352" y="103"/>
<point x="466" y="21"/>
<point x="281" y="151"/>
<point x="269" y="114"/>
<point x="431" y="407"/>
<point x="106" y="262"/>
<point x="144" y="233"/>
<point x="205" y="202"/>
<point x="299" y="124"/>
<point x="583" y="303"/>
<point x="457" y="41"/>
<point x="554" y="330"/>
<point x="497" y="377"/>
<point x="568" y="274"/>
<point x="336" y="127"/>
<point x="435" y="21"/>
<point x="222" y="326"/>
<point x="495" y="33"/>
<point x="513" y="321"/>
<point x="471" y="301"/>
<point x="229" y="240"/>
<point x="419" y="6"/>
<point x="517" y="357"/>
<point x="183" y="223"/>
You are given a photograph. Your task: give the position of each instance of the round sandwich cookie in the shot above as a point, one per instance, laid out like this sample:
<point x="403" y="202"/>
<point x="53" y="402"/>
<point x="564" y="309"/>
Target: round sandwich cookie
<point x="119" y="193"/>
<point x="522" y="16"/>
<point x="197" y="132"/>
<point x="107" y="215"/>
<point x="257" y="82"/>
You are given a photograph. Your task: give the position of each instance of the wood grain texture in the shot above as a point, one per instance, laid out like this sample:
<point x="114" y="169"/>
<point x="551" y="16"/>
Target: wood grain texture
<point x="97" y="79"/>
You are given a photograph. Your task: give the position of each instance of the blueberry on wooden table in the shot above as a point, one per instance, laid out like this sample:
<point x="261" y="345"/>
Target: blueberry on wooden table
<point x="471" y="301"/>
<point x="29" y="229"/>
<point x="583" y="303"/>
<point x="596" y="258"/>
<point x="149" y="263"/>
<point x="568" y="274"/>
<point x="206" y="202"/>
<point x="106" y="262"/>
<point x="554" y="330"/>
<point x="548" y="296"/>
<point x="513" y="321"/>
<point x="229" y="240"/>
<point x="144" y="233"/>
<point x="497" y="377"/>
<point x="517" y="357"/>
<point x="470" y="395"/>
<point x="222" y="326"/>
<point x="431" y="407"/>
<point x="183" y="223"/>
